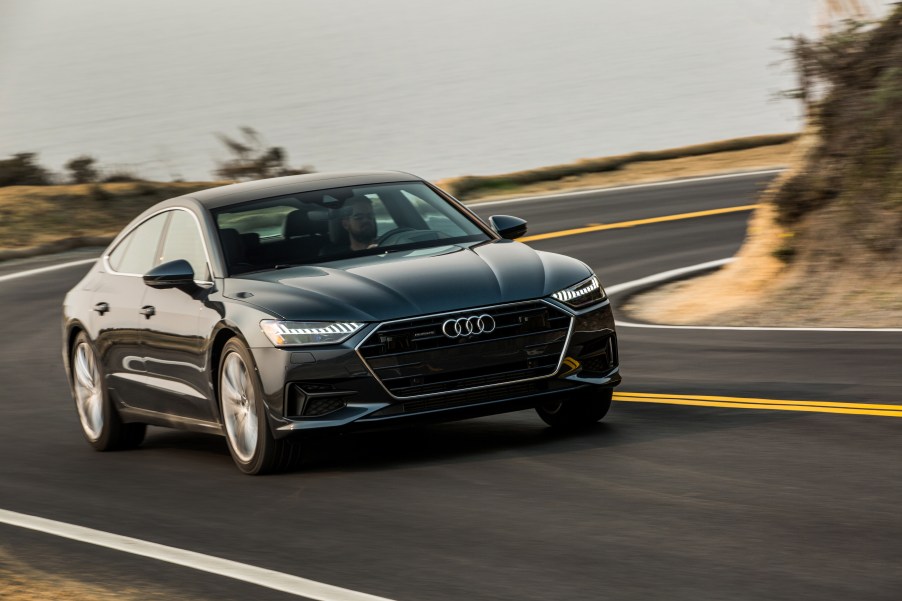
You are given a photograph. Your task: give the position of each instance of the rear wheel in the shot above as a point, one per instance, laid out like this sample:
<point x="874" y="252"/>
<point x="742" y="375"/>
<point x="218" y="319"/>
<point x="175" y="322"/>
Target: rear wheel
<point x="582" y="409"/>
<point x="253" y="447"/>
<point x="100" y="422"/>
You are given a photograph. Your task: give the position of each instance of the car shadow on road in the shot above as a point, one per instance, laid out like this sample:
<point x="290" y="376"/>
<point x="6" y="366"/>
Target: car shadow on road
<point x="520" y="434"/>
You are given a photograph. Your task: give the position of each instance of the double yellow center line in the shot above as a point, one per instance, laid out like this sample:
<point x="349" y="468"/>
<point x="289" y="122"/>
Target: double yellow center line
<point x="768" y="404"/>
<point x="719" y="401"/>
<point x="625" y="224"/>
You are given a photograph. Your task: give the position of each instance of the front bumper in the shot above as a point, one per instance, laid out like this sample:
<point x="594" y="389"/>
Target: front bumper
<point x="338" y="380"/>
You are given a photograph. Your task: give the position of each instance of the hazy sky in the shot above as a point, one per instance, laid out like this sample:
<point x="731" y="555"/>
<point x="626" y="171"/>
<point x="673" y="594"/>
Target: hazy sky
<point x="439" y="88"/>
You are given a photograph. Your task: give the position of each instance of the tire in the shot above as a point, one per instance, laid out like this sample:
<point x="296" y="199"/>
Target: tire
<point x="100" y="422"/>
<point x="581" y="410"/>
<point x="244" y="421"/>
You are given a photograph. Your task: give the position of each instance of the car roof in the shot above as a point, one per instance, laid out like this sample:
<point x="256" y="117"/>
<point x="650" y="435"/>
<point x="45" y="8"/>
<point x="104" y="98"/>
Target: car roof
<point x="214" y="198"/>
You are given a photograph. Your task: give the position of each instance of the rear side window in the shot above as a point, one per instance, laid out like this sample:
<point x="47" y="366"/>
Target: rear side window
<point x="183" y="241"/>
<point x="136" y="253"/>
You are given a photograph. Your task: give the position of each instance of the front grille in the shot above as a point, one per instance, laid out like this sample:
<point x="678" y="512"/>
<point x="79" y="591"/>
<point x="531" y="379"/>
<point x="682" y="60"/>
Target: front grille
<point x="414" y="358"/>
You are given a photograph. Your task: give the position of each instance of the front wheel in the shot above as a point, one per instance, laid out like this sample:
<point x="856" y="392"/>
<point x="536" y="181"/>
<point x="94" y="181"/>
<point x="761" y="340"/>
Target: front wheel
<point x="100" y="423"/>
<point x="582" y="409"/>
<point x="250" y="440"/>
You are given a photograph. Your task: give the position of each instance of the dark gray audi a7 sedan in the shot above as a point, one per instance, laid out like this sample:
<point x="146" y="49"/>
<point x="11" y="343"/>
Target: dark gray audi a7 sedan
<point x="266" y="310"/>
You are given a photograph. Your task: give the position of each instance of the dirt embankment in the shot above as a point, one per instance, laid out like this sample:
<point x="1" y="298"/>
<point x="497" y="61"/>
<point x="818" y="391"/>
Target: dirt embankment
<point x="21" y="581"/>
<point x="825" y="248"/>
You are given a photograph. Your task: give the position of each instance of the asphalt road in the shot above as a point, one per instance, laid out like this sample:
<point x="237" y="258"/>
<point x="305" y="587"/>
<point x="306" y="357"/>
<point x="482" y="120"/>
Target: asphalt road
<point x="657" y="502"/>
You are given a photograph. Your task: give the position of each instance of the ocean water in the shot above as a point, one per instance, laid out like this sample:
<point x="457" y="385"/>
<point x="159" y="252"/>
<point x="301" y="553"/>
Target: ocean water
<point x="434" y="88"/>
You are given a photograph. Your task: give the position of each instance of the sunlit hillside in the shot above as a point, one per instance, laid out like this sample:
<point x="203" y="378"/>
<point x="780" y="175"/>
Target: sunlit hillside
<point x="826" y="246"/>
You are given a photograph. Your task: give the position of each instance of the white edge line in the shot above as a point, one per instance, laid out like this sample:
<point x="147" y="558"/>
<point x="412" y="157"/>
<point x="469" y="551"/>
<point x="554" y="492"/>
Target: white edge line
<point x="670" y="182"/>
<point x="22" y="274"/>
<point x="667" y="275"/>
<point x="627" y="324"/>
<point x="271" y="579"/>
<point x="674" y="273"/>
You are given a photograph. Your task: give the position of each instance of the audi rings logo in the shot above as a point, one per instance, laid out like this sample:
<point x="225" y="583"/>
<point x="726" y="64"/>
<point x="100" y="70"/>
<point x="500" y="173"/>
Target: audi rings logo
<point x="468" y="326"/>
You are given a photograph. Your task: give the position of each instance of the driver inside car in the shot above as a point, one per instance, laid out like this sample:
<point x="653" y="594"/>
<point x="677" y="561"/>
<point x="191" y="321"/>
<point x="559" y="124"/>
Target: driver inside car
<point x="360" y="223"/>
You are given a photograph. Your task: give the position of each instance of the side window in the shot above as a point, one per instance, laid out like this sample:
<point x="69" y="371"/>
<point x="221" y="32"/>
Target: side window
<point x="183" y="241"/>
<point x="136" y="253"/>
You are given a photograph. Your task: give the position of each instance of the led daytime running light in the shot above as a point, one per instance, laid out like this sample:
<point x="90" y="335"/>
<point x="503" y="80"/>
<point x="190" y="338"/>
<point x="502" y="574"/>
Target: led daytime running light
<point x="299" y="333"/>
<point x="335" y="328"/>
<point x="579" y="290"/>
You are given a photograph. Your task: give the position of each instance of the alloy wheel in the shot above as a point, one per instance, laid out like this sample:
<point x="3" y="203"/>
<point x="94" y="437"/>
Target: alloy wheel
<point x="239" y="407"/>
<point x="88" y="391"/>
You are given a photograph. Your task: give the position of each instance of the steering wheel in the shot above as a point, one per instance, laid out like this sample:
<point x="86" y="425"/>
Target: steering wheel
<point x="384" y="238"/>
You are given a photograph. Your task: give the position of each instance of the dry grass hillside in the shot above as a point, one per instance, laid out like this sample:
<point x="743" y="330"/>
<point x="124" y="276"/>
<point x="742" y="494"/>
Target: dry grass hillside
<point x="62" y="217"/>
<point x="826" y="246"/>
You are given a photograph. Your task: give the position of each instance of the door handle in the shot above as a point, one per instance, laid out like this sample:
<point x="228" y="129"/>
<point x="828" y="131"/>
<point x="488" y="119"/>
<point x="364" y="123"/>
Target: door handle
<point x="102" y="307"/>
<point x="147" y="311"/>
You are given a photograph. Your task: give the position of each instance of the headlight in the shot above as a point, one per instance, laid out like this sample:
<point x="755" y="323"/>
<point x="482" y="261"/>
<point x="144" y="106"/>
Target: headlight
<point x="582" y="294"/>
<point x="297" y="333"/>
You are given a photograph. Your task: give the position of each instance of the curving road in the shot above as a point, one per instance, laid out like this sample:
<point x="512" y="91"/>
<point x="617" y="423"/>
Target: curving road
<point x="658" y="502"/>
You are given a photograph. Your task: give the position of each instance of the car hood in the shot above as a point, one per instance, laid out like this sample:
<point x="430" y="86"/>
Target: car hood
<point x="404" y="284"/>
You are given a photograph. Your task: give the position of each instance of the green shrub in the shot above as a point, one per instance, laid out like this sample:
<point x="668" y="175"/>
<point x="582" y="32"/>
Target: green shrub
<point x="82" y="170"/>
<point x="121" y="176"/>
<point x="252" y="159"/>
<point x="22" y="169"/>
<point x="852" y="83"/>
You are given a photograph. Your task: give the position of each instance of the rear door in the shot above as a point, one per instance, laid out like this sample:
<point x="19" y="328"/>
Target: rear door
<point x="117" y="304"/>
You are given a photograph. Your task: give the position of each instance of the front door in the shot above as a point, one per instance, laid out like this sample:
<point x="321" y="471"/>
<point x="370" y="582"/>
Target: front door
<point x="173" y="345"/>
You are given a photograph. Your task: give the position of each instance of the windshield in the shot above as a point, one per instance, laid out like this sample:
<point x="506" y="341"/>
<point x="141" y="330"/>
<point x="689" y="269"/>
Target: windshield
<point x="325" y="225"/>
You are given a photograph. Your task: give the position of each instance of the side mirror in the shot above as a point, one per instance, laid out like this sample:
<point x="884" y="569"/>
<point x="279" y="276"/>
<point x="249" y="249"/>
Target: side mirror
<point x="507" y="226"/>
<point x="172" y="274"/>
